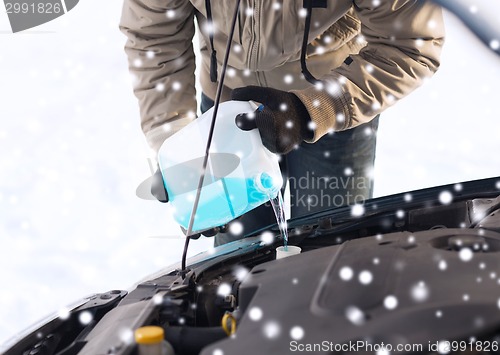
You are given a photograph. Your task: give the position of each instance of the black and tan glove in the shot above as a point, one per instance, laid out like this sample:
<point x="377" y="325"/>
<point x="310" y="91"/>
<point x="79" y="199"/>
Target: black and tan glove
<point x="283" y="121"/>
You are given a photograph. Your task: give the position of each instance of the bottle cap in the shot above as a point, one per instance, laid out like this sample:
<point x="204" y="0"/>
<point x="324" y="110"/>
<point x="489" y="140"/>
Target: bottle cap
<point x="264" y="183"/>
<point x="150" y="334"/>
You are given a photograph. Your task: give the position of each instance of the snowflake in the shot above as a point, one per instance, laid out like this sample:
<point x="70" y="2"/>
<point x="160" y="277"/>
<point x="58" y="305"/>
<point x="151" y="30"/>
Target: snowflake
<point x="465" y="254"/>
<point x="334" y="89"/>
<point x="473" y="9"/>
<point x="390" y="302"/>
<point x="295" y="281"/>
<point x="289" y="124"/>
<point x="276" y="6"/>
<point x="255" y="314"/>
<point x="419" y="292"/>
<point x="495" y="44"/>
<point x="283" y="107"/>
<point x="240" y="273"/>
<point x="357" y="210"/>
<point x="267" y="238"/>
<point x="237" y="48"/>
<point x="170" y="13"/>
<point x="157" y="299"/>
<point x="458" y="187"/>
<point x="465" y="297"/>
<point x="249" y="11"/>
<point x="431" y="24"/>
<point x="439" y="314"/>
<point x="443" y="347"/>
<point x="160" y="87"/>
<point x="400" y="214"/>
<point x="320" y="50"/>
<point x="346" y="273"/>
<point x="126" y="335"/>
<point x="376" y="3"/>
<point x="303" y="12"/>
<point x="218" y="352"/>
<point x="231" y="73"/>
<point x="176" y="85"/>
<point x="236" y="228"/>
<point x="355" y="315"/>
<point x="150" y="54"/>
<point x="340" y="117"/>
<point x="365" y="277"/>
<point x="348" y="171"/>
<point x="376" y="106"/>
<point x="445" y="197"/>
<point x="246" y="72"/>
<point x="137" y="63"/>
<point x="288" y="79"/>
<point x="63" y="313"/>
<point x="297" y="333"/>
<point x="408" y="197"/>
<point x="376" y="261"/>
<point x="224" y="289"/>
<point x="442" y="265"/>
<point x="369" y="68"/>
<point x="419" y="42"/>
<point x="272" y="329"/>
<point x="390" y="99"/>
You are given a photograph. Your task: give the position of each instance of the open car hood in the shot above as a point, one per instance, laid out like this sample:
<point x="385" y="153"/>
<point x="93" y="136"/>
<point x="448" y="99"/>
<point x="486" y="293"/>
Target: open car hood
<point x="415" y="270"/>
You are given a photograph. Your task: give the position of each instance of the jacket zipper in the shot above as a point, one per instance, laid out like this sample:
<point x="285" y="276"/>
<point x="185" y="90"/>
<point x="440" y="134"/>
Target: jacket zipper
<point x="254" y="52"/>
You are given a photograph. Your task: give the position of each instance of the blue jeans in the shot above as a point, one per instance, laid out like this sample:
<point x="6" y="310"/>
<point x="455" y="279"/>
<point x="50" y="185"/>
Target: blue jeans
<point x="332" y="172"/>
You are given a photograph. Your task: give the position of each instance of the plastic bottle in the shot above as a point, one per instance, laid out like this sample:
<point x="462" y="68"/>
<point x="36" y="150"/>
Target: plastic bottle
<point x="241" y="173"/>
<point x="151" y="341"/>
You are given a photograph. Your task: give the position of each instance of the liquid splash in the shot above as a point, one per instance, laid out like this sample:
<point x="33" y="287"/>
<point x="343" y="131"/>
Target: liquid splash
<point x="279" y="212"/>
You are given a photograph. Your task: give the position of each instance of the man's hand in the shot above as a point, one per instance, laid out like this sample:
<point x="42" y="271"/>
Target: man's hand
<point x="157" y="188"/>
<point x="283" y="122"/>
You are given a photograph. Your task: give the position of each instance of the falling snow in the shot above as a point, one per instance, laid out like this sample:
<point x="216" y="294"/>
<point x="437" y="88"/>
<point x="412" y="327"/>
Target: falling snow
<point x="390" y="302"/>
<point x="240" y="273"/>
<point x="419" y="292"/>
<point x="236" y="228"/>
<point x="442" y="265"/>
<point x="357" y="210"/>
<point x="267" y="238"/>
<point x="465" y="254"/>
<point x="365" y="277"/>
<point x="355" y="315"/>
<point x="346" y="273"/>
<point x="63" y="313"/>
<point x="272" y="329"/>
<point x="297" y="333"/>
<point x="445" y="197"/>
<point x="224" y="289"/>
<point x="255" y="314"/>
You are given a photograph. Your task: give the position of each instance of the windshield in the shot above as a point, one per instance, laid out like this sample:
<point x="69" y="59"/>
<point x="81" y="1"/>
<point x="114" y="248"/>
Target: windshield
<point x="73" y="154"/>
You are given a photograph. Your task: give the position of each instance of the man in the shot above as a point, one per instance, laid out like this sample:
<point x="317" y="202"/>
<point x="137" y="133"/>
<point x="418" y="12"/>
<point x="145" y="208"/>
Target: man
<point x="362" y="56"/>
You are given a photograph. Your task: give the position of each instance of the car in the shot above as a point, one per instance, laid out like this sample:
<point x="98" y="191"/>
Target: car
<point x="414" y="272"/>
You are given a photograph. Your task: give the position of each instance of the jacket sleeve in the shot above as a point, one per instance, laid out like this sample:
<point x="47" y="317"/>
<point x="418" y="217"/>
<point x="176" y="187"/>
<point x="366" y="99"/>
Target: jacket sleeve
<point x="162" y="62"/>
<point x="403" y="45"/>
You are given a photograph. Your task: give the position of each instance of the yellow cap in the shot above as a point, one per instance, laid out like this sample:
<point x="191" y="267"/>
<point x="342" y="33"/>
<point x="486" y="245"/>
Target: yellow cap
<point x="150" y="334"/>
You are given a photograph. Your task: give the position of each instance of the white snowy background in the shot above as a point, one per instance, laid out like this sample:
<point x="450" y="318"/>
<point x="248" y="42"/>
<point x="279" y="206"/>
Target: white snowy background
<point x="72" y="154"/>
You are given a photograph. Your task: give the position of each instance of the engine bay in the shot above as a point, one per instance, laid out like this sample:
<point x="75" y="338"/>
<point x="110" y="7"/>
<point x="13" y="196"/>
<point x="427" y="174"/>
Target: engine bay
<point x="408" y="276"/>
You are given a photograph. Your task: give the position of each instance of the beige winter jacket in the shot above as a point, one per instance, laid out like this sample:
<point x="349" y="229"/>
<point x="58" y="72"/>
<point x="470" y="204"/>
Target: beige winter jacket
<point x="391" y="46"/>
